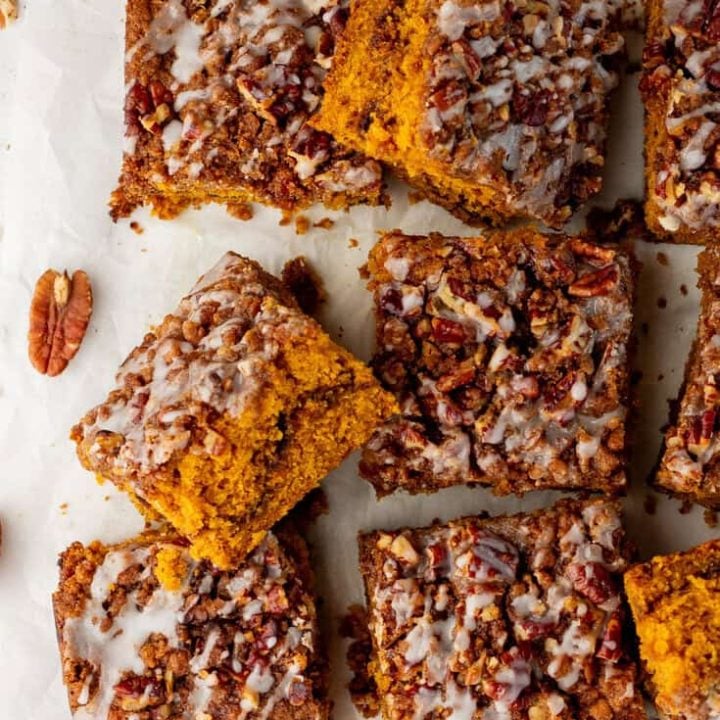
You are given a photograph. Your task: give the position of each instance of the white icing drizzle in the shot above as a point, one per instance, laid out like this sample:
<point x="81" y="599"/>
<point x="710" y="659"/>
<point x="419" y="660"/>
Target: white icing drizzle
<point x="115" y="651"/>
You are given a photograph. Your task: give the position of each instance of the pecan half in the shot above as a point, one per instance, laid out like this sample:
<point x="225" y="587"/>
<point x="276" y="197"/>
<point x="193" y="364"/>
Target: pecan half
<point x="59" y="314"/>
<point x="592" y="580"/>
<point x="138" y="693"/>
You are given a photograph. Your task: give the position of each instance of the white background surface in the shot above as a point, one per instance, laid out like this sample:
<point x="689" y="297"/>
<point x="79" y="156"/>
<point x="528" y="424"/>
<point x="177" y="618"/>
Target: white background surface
<point x="60" y="144"/>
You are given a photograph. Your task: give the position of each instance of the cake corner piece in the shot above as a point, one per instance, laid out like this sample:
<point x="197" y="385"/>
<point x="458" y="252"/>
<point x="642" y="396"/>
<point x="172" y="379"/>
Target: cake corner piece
<point x="509" y="357"/>
<point x="492" y="114"/>
<point x="230" y="412"/>
<point x="146" y="631"/>
<point x="675" y="601"/>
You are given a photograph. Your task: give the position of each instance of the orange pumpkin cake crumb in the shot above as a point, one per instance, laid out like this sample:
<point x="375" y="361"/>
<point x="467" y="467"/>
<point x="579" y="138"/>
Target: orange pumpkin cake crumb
<point x="675" y="600"/>
<point x="230" y="411"/>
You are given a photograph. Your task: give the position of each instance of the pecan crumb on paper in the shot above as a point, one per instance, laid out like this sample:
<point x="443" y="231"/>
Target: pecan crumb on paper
<point x="650" y="504"/>
<point x="324" y="223"/>
<point x="240" y="210"/>
<point x="686" y="507"/>
<point x="302" y="224"/>
<point x="414" y="197"/>
<point x="304" y="283"/>
<point x="623" y="221"/>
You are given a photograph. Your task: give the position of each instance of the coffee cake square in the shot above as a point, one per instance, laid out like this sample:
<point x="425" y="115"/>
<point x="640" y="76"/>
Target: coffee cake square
<point x="680" y="86"/>
<point x="218" y="98"/>
<point x="492" y="109"/>
<point x="675" y="601"/>
<point x="230" y="412"/>
<point x="690" y="464"/>
<point x="508" y="355"/>
<point x="519" y="617"/>
<point x="146" y="632"/>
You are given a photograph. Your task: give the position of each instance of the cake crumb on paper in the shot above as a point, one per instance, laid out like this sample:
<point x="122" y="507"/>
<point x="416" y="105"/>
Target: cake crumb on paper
<point x="240" y="210"/>
<point x="650" y="504"/>
<point x="686" y="507"/>
<point x="302" y="224"/>
<point x="615" y="224"/>
<point x="415" y="196"/>
<point x="304" y="283"/>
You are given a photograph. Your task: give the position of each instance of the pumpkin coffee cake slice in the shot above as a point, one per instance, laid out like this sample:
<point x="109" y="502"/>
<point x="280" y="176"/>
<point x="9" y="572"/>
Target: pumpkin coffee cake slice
<point x="218" y="97"/>
<point x="675" y="601"/>
<point x="493" y="109"/>
<point x="508" y="355"/>
<point x="145" y="631"/>
<point x="230" y="411"/>
<point x="517" y="617"/>
<point x="690" y="464"/>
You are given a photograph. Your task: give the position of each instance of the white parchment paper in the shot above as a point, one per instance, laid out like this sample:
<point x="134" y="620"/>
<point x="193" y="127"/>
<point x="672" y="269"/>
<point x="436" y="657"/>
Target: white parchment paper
<point x="60" y="143"/>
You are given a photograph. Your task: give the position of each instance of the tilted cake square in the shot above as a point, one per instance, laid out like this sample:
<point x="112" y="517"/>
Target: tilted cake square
<point x="230" y="411"/>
